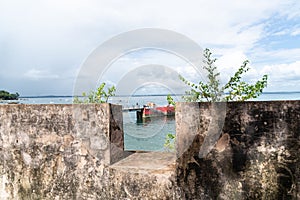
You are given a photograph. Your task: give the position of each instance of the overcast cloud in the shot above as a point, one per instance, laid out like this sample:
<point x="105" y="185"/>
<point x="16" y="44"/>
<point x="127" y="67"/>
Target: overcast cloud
<point x="43" y="44"/>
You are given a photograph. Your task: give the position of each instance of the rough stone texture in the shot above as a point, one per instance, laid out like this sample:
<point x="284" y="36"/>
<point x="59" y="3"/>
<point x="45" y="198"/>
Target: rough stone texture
<point x="76" y="152"/>
<point x="149" y="175"/>
<point x="256" y="156"/>
<point x="58" y="151"/>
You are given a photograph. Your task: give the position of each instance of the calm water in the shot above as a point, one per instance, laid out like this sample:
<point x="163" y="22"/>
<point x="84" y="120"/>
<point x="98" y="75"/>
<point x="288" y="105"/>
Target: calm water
<point x="149" y="134"/>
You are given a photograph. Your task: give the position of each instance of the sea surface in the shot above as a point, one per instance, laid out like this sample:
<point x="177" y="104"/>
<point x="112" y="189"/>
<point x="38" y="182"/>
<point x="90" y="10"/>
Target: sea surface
<point x="150" y="134"/>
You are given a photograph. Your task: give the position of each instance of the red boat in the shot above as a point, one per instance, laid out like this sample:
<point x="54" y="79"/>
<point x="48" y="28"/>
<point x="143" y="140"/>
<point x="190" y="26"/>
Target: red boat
<point x="158" y="111"/>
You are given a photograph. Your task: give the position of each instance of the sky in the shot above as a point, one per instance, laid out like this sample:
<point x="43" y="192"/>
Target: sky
<point x="44" y="44"/>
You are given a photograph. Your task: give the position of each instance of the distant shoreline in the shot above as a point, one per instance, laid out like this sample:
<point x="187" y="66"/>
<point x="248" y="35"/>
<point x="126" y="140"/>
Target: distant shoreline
<point x="140" y="95"/>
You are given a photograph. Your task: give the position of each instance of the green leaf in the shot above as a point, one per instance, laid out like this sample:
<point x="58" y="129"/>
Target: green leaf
<point x="211" y="91"/>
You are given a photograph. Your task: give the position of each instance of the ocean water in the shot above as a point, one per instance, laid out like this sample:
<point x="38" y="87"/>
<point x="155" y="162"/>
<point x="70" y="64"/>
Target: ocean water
<point x="150" y="134"/>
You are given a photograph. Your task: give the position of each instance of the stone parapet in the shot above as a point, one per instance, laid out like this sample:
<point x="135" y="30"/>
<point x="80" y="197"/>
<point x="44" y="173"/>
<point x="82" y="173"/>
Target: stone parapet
<point x="238" y="150"/>
<point x="58" y="151"/>
<point x="255" y="155"/>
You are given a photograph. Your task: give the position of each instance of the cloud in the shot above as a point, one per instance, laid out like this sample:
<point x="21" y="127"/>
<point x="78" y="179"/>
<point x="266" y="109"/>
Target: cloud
<point x="229" y="63"/>
<point x="283" y="71"/>
<point x="34" y="74"/>
<point x="226" y="23"/>
<point x="275" y="56"/>
<point x="296" y="32"/>
<point x="148" y="79"/>
<point x="290" y="9"/>
<point x="283" y="77"/>
<point x="60" y="35"/>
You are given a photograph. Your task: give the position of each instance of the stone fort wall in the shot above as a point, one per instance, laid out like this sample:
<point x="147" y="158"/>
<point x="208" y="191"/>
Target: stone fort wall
<point x="248" y="150"/>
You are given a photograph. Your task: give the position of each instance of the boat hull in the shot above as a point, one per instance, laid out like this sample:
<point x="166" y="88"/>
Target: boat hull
<point x="158" y="111"/>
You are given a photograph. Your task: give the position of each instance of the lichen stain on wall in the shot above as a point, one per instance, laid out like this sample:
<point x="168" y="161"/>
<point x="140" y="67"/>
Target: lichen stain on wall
<point x="55" y="151"/>
<point x="260" y="160"/>
<point x="77" y="152"/>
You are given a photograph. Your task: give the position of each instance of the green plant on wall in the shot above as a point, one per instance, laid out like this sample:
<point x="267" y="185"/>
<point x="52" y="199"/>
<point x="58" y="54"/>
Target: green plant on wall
<point x="169" y="142"/>
<point x="234" y="90"/>
<point x="170" y="100"/>
<point x="97" y="96"/>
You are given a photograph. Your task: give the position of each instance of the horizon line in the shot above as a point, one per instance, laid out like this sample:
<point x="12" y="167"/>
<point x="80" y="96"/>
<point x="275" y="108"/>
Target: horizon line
<point x="137" y="95"/>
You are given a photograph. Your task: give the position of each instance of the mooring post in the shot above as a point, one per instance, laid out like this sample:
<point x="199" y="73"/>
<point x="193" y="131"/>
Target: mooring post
<point x="139" y="115"/>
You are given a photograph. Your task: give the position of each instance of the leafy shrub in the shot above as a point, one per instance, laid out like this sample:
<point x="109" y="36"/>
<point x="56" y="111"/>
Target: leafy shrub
<point x="234" y="90"/>
<point x="97" y="96"/>
<point x="212" y="91"/>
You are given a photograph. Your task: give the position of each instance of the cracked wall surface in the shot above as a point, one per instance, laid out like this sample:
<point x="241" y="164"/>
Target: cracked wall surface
<point x="77" y="152"/>
<point x="58" y="151"/>
<point x="257" y="154"/>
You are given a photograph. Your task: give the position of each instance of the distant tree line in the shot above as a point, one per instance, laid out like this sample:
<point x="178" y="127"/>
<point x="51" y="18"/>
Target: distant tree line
<point x="4" y="95"/>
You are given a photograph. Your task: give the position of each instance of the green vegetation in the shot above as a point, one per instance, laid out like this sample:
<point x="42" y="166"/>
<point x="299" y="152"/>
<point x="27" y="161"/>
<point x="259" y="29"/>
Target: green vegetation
<point x="212" y="91"/>
<point x="4" y="95"/>
<point x="97" y="96"/>
<point x="170" y="100"/>
<point x="234" y="90"/>
<point x="169" y="142"/>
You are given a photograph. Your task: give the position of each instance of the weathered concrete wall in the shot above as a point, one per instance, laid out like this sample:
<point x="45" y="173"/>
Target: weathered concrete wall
<point x="144" y="175"/>
<point x="76" y="152"/>
<point x="58" y="151"/>
<point x="256" y="157"/>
